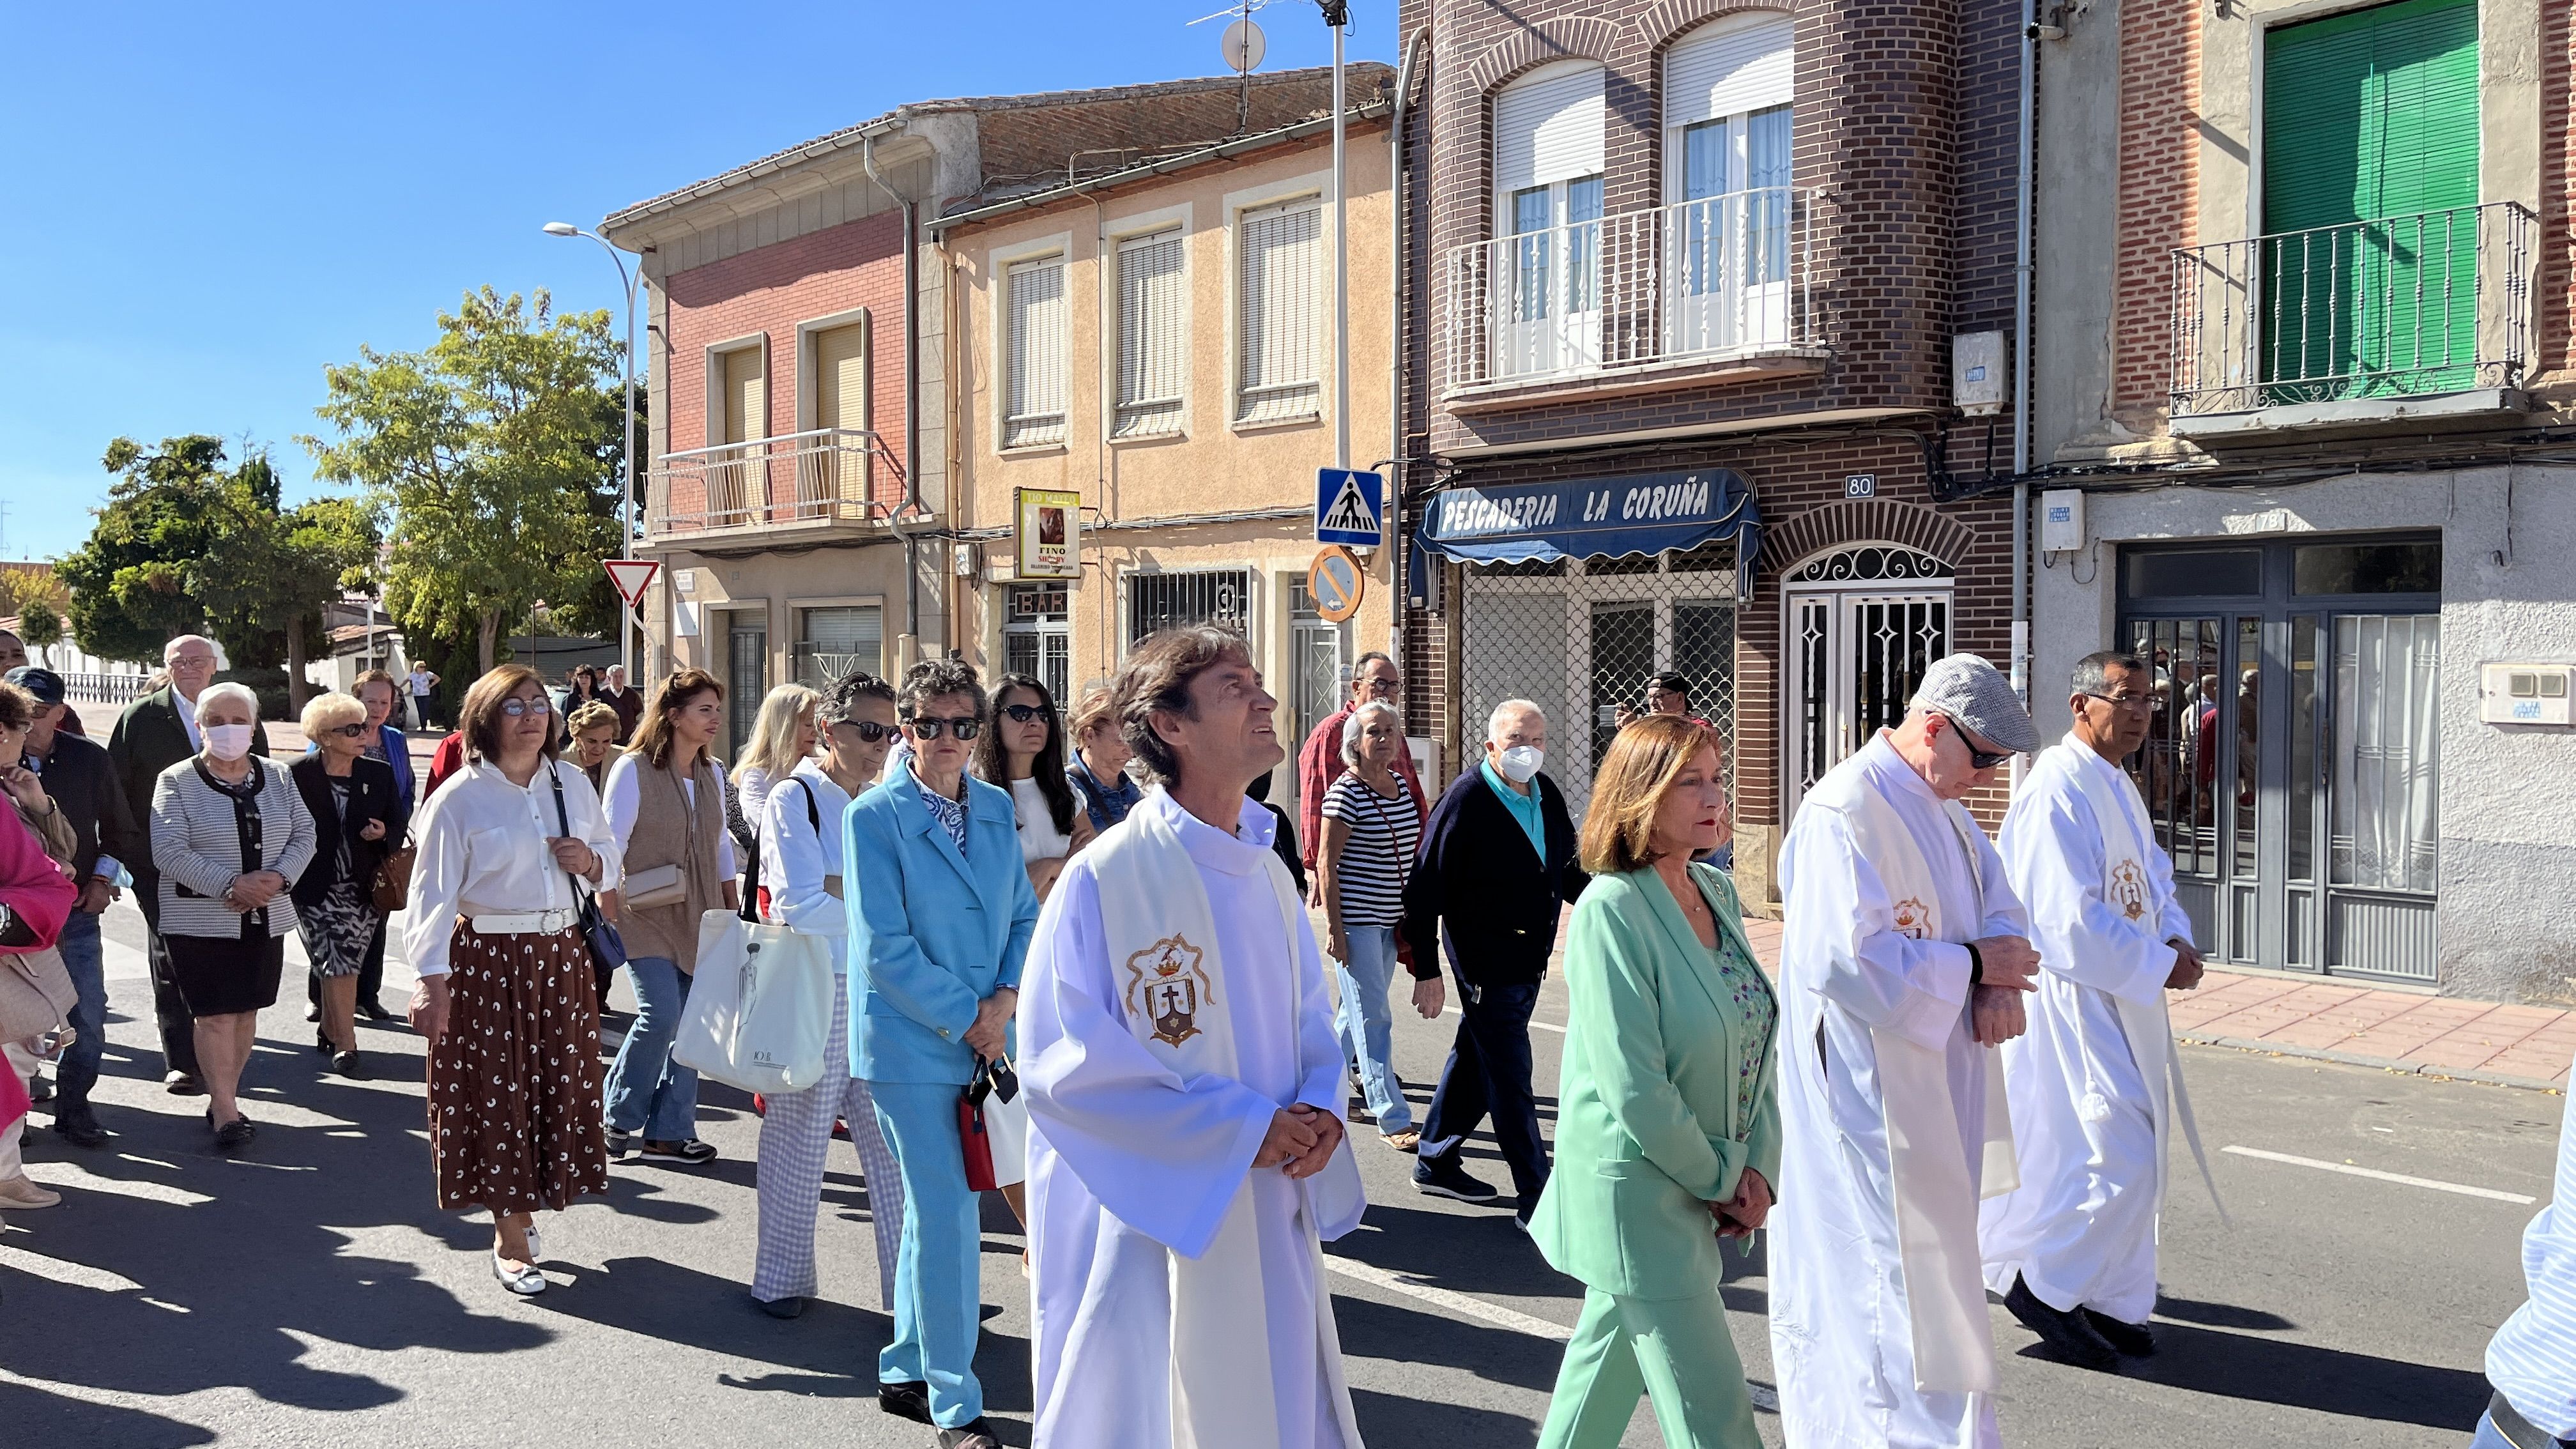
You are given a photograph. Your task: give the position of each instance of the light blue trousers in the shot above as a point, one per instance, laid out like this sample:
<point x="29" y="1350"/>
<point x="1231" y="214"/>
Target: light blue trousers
<point x="939" y="1274"/>
<point x="1366" y="1026"/>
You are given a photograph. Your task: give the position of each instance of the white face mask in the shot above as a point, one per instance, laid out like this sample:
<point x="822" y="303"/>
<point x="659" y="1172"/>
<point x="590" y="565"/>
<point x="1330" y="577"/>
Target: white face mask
<point x="1519" y="763"/>
<point x="228" y="742"/>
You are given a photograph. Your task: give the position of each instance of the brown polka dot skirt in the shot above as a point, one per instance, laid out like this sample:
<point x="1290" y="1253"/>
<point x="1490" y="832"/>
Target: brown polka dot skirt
<point x="514" y="1101"/>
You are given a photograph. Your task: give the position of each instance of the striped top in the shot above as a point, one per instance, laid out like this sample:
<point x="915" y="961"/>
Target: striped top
<point x="2532" y="1359"/>
<point x="1386" y="831"/>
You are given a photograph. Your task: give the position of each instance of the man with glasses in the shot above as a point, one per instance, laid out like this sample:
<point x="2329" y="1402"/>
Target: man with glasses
<point x="2073" y="1249"/>
<point x="1374" y="680"/>
<point x="1902" y="967"/>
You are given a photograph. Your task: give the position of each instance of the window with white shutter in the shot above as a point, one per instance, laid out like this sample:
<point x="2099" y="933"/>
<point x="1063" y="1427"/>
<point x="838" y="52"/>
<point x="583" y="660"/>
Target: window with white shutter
<point x="1280" y="317"/>
<point x="1153" y="340"/>
<point x="1033" y="350"/>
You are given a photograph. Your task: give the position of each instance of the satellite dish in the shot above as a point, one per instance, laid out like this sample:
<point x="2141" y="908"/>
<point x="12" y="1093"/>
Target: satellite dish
<point x="1243" y="46"/>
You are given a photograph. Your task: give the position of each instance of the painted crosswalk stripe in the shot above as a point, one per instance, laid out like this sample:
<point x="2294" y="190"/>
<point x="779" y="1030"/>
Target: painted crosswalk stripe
<point x="2348" y="1170"/>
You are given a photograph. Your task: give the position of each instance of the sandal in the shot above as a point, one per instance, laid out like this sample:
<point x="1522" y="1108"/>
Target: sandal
<point x="1408" y="1140"/>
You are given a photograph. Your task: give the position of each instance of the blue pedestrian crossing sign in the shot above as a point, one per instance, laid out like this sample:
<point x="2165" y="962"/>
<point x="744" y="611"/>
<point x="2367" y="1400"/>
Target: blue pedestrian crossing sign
<point x="1350" y="508"/>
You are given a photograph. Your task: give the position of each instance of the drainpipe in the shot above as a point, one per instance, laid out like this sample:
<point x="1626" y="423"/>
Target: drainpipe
<point x="911" y="386"/>
<point x="1395" y="374"/>
<point x="2026" y="146"/>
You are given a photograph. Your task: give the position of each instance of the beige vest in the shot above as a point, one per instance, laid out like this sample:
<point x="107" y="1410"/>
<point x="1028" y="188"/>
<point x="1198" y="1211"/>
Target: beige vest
<point x="671" y="831"/>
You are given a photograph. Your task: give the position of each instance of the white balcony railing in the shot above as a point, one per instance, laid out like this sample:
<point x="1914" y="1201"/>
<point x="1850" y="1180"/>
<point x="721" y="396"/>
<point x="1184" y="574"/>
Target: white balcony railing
<point x="2406" y="306"/>
<point x="824" y="475"/>
<point x="1721" y="276"/>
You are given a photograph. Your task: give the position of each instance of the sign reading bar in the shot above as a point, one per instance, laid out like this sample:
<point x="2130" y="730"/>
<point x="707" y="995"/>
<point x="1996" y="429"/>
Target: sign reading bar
<point x="1047" y="529"/>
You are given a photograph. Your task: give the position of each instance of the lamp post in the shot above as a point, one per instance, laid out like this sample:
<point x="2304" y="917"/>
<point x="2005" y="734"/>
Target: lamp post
<point x="626" y="533"/>
<point x="1337" y="14"/>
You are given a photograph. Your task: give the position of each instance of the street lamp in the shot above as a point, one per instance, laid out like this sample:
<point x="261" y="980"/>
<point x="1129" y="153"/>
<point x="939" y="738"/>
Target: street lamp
<point x="1337" y="14"/>
<point x="626" y="534"/>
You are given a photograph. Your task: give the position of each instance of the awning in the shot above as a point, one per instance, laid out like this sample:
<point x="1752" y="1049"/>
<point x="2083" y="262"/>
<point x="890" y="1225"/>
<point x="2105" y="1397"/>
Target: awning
<point x="1597" y="517"/>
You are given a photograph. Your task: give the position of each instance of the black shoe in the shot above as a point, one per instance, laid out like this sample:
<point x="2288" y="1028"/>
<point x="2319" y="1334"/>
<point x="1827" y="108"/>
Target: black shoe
<point x="1443" y="1177"/>
<point x="374" y="1011"/>
<point x="691" y="1151"/>
<point x="2066" y="1332"/>
<point x="80" y="1128"/>
<point x="40" y="1090"/>
<point x="787" y="1307"/>
<point x="905" y="1401"/>
<point x="975" y="1433"/>
<point x="2131" y="1340"/>
<point x="321" y="1041"/>
<point x="183" y="1084"/>
<point x="233" y="1135"/>
<point x="313" y="1012"/>
<point x="348" y="1065"/>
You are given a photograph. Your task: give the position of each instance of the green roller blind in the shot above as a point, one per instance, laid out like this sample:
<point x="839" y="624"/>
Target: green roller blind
<point x="2370" y="128"/>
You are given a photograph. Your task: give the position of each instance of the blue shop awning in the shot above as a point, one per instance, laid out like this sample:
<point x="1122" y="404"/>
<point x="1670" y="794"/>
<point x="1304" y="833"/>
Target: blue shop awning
<point x="1597" y="517"/>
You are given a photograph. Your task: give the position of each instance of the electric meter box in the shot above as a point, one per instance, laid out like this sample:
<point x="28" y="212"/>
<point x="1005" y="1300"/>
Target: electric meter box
<point x="1977" y="373"/>
<point x="2526" y="694"/>
<point x="2061" y="520"/>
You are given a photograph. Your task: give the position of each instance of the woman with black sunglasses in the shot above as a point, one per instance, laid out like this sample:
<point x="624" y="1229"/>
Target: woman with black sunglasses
<point x="1024" y="753"/>
<point x="358" y="814"/>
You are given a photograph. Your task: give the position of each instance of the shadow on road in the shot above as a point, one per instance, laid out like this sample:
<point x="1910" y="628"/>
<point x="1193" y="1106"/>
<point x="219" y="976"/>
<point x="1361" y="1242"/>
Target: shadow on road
<point x="2306" y="1376"/>
<point x="43" y="1418"/>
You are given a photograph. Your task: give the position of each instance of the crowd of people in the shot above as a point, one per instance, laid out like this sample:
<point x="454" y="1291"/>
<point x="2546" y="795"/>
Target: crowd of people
<point x="1961" y="1080"/>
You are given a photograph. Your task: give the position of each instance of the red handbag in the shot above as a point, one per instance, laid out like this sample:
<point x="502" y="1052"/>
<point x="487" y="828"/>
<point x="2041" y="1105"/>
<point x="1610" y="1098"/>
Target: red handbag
<point x="977" y="1144"/>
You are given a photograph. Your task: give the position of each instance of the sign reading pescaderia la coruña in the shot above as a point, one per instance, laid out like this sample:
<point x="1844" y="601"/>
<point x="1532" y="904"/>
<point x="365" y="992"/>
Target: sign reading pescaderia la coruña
<point x="1046" y="528"/>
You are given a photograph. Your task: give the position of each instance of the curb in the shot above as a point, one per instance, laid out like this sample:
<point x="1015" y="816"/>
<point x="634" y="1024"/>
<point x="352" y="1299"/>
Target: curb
<point x="2385" y="1064"/>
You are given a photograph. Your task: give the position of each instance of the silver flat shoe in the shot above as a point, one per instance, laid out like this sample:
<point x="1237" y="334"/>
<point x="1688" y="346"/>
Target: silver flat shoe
<point x="527" y="1282"/>
<point x="536" y="1245"/>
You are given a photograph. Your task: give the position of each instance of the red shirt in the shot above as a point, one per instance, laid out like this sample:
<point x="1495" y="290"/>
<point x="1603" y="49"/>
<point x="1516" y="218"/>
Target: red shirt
<point x="1319" y="764"/>
<point x="445" y="761"/>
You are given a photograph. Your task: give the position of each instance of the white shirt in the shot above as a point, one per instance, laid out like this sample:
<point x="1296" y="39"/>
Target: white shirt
<point x="2532" y="1358"/>
<point x="188" y="719"/>
<point x="623" y="802"/>
<point x="1039" y="839"/>
<point x="483" y="852"/>
<point x="799" y="850"/>
<point x="420" y="681"/>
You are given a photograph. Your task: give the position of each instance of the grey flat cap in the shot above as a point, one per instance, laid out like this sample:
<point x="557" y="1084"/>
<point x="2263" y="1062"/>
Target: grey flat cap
<point x="1974" y="693"/>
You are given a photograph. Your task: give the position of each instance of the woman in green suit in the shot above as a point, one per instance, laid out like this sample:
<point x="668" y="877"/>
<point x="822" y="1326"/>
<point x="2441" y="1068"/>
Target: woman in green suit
<point x="1668" y="1131"/>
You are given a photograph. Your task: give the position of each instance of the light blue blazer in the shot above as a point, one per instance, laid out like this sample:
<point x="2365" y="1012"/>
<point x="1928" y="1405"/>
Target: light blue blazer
<point x="932" y="932"/>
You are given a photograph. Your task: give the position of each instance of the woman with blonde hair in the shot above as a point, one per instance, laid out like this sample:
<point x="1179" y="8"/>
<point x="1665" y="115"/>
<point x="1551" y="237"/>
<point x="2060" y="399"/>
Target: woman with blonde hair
<point x="358" y="815"/>
<point x="1668" y="1123"/>
<point x="592" y="733"/>
<point x="782" y="737"/>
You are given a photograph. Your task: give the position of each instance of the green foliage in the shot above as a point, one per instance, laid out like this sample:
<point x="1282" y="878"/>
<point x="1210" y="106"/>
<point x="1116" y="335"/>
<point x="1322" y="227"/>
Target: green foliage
<point x="40" y="629"/>
<point x="485" y="450"/>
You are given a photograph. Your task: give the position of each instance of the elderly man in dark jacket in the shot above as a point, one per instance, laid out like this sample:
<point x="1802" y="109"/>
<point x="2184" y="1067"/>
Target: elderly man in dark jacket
<point x="1497" y="865"/>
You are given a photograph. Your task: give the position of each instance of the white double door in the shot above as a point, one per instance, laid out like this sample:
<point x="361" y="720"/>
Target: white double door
<point x="1856" y="654"/>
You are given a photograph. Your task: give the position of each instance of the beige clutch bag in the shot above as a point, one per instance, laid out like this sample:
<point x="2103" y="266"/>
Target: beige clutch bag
<point x="659" y="885"/>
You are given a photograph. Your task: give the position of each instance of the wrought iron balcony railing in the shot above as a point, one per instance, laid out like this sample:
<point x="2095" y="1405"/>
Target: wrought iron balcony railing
<point x="1718" y="277"/>
<point x="823" y="475"/>
<point x="2406" y="306"/>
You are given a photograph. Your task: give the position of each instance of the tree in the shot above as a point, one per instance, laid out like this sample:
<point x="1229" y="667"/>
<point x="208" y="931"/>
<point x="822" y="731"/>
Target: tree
<point x="483" y="447"/>
<point x="280" y="569"/>
<point x="40" y="629"/>
<point x="130" y="580"/>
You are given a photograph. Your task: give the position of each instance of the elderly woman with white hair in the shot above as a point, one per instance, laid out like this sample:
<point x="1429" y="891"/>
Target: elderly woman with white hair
<point x="230" y="834"/>
<point x="1372" y="825"/>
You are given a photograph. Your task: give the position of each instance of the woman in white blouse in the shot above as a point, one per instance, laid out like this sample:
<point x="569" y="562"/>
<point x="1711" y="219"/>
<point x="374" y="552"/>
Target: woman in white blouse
<point x="801" y="880"/>
<point x="1024" y="753"/>
<point x="781" y="739"/>
<point x="505" y="994"/>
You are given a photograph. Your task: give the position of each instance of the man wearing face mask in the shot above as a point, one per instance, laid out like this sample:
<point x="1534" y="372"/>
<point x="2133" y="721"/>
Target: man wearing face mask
<point x="1497" y="864"/>
<point x="155" y="732"/>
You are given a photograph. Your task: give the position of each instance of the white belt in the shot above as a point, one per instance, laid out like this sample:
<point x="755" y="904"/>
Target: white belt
<point x="523" y="923"/>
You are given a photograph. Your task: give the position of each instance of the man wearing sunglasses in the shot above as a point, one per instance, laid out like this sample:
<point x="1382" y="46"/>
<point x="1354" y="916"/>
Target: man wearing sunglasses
<point x="2073" y="1249"/>
<point x="1902" y="968"/>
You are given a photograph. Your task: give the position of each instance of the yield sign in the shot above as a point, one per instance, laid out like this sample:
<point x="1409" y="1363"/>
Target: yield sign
<point x="631" y="576"/>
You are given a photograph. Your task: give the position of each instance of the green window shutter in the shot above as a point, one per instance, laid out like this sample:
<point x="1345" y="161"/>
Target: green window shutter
<point x="2370" y="122"/>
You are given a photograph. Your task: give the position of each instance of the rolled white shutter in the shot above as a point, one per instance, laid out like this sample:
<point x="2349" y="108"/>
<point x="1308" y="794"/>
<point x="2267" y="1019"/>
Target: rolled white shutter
<point x="1548" y="127"/>
<point x="1728" y="67"/>
<point x="1034" y="401"/>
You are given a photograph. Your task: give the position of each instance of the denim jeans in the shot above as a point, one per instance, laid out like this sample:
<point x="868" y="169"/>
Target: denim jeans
<point x="78" y="1071"/>
<point x="647" y="1091"/>
<point x="1366" y="1027"/>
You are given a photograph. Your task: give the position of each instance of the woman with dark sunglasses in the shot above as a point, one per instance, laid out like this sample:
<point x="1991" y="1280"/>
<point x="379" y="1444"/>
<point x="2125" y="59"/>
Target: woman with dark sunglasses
<point x="359" y="813"/>
<point x="1024" y="753"/>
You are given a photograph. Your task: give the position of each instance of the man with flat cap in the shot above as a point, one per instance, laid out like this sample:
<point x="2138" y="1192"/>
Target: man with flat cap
<point x="1902" y="967"/>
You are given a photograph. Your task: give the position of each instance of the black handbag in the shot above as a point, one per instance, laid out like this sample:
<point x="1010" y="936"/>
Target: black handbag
<point x="607" y="947"/>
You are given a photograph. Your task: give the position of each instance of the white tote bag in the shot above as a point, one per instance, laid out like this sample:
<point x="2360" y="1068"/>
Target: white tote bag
<point x="760" y="1005"/>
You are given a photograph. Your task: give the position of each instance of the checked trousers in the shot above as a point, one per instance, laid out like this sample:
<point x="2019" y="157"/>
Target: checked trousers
<point x="795" y="1138"/>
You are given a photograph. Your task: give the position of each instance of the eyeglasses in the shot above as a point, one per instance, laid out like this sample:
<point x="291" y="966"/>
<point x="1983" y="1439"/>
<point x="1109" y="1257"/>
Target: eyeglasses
<point x="1378" y="686"/>
<point x="1023" y="713"/>
<point x="928" y="726"/>
<point x="350" y="731"/>
<point x="1977" y="758"/>
<point x="2136" y="703"/>
<point x="867" y="730"/>
<point x="515" y="708"/>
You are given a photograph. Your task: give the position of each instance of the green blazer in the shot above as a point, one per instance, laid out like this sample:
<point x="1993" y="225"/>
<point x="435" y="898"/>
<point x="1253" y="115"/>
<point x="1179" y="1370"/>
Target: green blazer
<point x="1647" y="1127"/>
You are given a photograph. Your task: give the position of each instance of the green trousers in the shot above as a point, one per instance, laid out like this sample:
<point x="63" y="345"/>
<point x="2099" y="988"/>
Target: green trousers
<point x="1676" y="1351"/>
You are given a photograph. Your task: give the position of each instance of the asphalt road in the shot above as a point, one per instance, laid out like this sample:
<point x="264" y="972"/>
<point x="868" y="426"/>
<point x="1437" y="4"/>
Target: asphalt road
<point x="308" y="1293"/>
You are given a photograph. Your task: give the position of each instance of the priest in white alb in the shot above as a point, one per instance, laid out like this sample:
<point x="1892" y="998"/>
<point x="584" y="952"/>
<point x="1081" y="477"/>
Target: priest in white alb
<point x="2073" y="1249"/>
<point x="1904" y="961"/>
<point x="1186" y="1153"/>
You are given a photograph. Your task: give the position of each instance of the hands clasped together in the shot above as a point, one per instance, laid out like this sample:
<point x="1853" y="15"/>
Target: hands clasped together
<point x="1740" y="1215"/>
<point x="2011" y="968"/>
<point x="1301" y="1141"/>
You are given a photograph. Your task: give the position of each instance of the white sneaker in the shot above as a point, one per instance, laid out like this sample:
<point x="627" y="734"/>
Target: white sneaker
<point x="24" y="1192"/>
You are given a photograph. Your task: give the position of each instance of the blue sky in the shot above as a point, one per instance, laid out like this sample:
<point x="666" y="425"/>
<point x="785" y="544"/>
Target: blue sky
<point x="213" y="202"/>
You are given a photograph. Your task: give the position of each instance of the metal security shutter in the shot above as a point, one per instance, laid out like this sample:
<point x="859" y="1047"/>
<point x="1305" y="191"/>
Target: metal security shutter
<point x="746" y="398"/>
<point x="1548" y="127"/>
<point x="840" y="401"/>
<point x="1153" y="340"/>
<point x="1280" y="295"/>
<point x="1156" y="602"/>
<point x="840" y="641"/>
<point x="1033" y="321"/>
<point x="1728" y="67"/>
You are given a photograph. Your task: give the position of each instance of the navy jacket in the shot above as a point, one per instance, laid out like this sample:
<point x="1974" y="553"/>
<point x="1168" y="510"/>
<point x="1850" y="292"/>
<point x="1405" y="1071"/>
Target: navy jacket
<point x="1477" y="872"/>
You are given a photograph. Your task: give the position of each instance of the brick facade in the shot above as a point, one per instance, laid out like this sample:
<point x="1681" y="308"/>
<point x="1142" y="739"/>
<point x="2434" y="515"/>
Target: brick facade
<point x="2160" y="139"/>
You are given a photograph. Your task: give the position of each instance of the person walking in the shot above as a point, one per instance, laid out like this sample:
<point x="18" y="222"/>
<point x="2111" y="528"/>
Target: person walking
<point x="1098" y="770"/>
<point x="155" y="732"/>
<point x="423" y="686"/>
<point x="1668" y="1126"/>
<point x="591" y="735"/>
<point x="624" y="698"/>
<point x="230" y="834"/>
<point x="80" y="779"/>
<point x="1024" y="753"/>
<point x="939" y="929"/>
<point x="782" y="737"/>
<point x="2531" y="1360"/>
<point x="666" y="811"/>
<point x="1496" y="867"/>
<point x="803" y="878"/>
<point x="357" y="815"/>
<point x="36" y="896"/>
<point x="505" y="997"/>
<point x="379" y="692"/>
<point x="1374" y="680"/>
<point x="1372" y="827"/>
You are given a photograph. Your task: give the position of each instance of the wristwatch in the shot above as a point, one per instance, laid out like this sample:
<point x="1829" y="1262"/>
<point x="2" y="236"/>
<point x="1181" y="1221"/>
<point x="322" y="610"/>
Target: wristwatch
<point x="1976" y="964"/>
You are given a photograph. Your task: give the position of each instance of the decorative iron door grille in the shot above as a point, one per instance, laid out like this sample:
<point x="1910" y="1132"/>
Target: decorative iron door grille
<point x="1862" y="626"/>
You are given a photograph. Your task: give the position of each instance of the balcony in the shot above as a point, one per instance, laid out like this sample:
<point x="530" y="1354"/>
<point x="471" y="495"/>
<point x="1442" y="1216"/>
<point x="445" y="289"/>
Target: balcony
<point x="814" y="482"/>
<point x="2411" y="321"/>
<point x="1712" y="290"/>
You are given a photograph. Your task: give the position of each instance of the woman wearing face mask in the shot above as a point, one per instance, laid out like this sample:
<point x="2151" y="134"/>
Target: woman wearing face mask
<point x="801" y="877"/>
<point x="230" y="834"/>
<point x="1024" y="753"/>
<point x="1372" y="823"/>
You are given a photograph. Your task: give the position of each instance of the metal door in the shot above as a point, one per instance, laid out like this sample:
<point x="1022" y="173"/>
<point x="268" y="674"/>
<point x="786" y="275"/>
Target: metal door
<point x="1859" y="643"/>
<point x="747" y="675"/>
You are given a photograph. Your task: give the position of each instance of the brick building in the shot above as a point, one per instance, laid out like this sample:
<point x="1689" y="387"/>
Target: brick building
<point x="2303" y="365"/>
<point x="1677" y="267"/>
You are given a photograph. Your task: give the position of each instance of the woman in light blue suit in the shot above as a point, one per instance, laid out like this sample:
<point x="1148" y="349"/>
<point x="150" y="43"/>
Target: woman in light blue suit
<point x="940" y="918"/>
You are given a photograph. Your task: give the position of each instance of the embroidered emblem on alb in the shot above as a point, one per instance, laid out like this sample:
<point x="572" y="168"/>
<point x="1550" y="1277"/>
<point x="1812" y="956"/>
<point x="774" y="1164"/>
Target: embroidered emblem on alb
<point x="1167" y="986"/>
<point x="2129" y="889"/>
<point x="1911" y="918"/>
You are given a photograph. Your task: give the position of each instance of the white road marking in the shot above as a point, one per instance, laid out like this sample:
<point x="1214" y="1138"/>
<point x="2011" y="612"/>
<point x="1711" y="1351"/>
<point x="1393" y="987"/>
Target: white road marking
<point x="2349" y="1170"/>
<point x="1534" y="1021"/>
<point x="76" y="1275"/>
